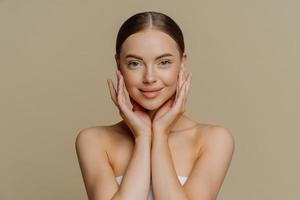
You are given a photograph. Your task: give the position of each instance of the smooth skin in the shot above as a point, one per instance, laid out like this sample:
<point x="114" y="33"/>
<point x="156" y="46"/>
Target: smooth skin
<point x="155" y="141"/>
<point x="138" y="120"/>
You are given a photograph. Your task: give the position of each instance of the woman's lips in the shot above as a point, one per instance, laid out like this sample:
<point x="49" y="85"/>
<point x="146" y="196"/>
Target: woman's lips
<point x="151" y="93"/>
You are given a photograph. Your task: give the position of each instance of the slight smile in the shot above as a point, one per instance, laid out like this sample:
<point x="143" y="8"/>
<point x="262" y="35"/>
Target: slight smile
<point x="151" y="93"/>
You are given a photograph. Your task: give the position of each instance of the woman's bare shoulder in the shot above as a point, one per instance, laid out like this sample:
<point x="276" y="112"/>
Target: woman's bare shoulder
<point x="211" y="134"/>
<point x="103" y="134"/>
<point x="91" y="137"/>
<point x="206" y="130"/>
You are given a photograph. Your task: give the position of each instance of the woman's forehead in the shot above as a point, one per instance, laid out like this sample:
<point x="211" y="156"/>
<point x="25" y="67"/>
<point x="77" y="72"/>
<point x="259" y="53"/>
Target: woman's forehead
<point x="151" y="43"/>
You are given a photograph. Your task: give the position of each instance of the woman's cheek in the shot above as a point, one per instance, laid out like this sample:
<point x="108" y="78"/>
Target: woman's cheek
<point x="131" y="84"/>
<point x="170" y="79"/>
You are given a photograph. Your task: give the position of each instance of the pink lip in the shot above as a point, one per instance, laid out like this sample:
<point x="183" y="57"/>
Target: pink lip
<point x="151" y="93"/>
<point x="150" y="90"/>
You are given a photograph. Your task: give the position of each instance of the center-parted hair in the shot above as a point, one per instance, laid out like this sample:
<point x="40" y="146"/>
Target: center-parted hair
<point x="150" y="20"/>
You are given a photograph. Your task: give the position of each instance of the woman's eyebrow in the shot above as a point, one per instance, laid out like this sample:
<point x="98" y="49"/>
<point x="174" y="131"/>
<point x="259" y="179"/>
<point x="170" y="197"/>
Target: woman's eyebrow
<point x="138" y="57"/>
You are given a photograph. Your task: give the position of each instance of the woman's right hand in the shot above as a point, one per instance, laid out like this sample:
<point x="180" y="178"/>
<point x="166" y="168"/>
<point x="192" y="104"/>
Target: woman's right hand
<point x="136" y="119"/>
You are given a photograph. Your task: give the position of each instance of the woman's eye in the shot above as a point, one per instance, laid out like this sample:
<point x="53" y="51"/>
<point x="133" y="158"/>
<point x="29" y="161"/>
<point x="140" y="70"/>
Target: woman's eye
<point x="133" y="64"/>
<point x="165" y="62"/>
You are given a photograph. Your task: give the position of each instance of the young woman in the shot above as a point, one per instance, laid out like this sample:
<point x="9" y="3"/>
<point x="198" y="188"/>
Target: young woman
<point x="156" y="151"/>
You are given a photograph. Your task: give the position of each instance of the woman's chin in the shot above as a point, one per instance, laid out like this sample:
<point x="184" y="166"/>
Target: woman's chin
<point x="150" y="106"/>
<point x="153" y="105"/>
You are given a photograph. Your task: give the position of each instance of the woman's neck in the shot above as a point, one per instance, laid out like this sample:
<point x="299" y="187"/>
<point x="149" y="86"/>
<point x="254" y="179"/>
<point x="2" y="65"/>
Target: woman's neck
<point x="182" y="123"/>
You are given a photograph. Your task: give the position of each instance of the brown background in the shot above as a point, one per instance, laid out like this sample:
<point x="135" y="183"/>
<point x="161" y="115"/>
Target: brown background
<point x="56" y="56"/>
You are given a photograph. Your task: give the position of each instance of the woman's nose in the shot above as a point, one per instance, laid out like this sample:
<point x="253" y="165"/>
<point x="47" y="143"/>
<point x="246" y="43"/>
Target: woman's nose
<point x="149" y="76"/>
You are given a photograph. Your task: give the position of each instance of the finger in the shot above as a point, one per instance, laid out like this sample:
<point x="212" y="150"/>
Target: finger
<point x="123" y="90"/>
<point x="180" y="98"/>
<point x="185" y="75"/>
<point x="181" y="102"/>
<point x="122" y="86"/>
<point x="117" y="74"/>
<point x="179" y="83"/>
<point x="125" y="111"/>
<point x="113" y="85"/>
<point x="183" y="79"/>
<point x="122" y="95"/>
<point x="112" y="91"/>
<point x="187" y="88"/>
<point x="120" y="92"/>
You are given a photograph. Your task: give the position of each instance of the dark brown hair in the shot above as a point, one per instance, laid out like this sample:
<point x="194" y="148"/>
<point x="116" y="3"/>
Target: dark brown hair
<point x="149" y="20"/>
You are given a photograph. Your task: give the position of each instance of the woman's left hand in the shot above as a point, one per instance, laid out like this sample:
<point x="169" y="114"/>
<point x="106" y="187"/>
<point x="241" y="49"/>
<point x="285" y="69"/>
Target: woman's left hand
<point x="172" y="109"/>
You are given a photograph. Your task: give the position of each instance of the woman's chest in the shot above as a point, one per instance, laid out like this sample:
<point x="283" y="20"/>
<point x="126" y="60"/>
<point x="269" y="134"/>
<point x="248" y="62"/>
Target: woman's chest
<point x="184" y="149"/>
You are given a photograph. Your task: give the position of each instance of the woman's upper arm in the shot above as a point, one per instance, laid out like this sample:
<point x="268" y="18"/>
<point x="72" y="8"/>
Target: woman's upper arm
<point x="97" y="173"/>
<point x="211" y="167"/>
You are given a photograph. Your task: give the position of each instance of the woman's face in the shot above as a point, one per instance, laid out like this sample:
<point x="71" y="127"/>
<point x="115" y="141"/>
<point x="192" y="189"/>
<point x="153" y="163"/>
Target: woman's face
<point x="150" y="64"/>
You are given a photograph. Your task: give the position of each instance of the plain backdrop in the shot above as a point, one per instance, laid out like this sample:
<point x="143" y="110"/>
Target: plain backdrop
<point x="55" y="57"/>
